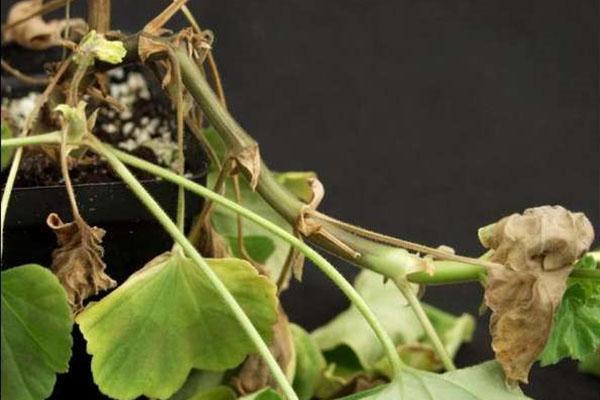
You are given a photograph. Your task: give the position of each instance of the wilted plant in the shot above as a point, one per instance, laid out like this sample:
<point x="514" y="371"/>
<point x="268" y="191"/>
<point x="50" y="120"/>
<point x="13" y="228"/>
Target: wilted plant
<point x="203" y="321"/>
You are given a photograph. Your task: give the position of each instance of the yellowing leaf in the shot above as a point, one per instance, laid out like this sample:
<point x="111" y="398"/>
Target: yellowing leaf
<point x="36" y="332"/>
<point x="97" y="46"/>
<point x="74" y="120"/>
<point x="166" y="319"/>
<point x="298" y="182"/>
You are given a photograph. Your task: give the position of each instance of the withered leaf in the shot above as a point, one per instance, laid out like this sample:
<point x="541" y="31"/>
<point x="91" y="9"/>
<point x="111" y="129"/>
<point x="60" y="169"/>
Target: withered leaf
<point x="77" y="262"/>
<point x="212" y="244"/>
<point x="35" y="33"/>
<point x="255" y="373"/>
<point x="248" y="159"/>
<point x="147" y="46"/>
<point x="537" y="250"/>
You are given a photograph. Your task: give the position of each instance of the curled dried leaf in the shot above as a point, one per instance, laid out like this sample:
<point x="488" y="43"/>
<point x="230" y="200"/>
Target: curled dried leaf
<point x="212" y="244"/>
<point x="35" y="33"/>
<point x="537" y="250"/>
<point x="255" y="373"/>
<point x="248" y="159"/>
<point x="147" y="46"/>
<point x="77" y="262"/>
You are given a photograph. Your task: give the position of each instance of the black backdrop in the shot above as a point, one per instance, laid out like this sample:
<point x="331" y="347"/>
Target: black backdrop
<point x="424" y="119"/>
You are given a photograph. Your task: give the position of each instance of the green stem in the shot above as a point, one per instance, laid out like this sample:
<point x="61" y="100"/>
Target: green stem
<point x="417" y="308"/>
<point x="448" y="272"/>
<point x="328" y="269"/>
<point x="191" y="251"/>
<point x="44" y="138"/>
<point x="10" y="181"/>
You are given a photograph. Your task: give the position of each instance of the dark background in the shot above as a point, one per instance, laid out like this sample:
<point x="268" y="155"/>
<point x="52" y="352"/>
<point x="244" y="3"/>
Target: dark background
<point x="424" y="119"/>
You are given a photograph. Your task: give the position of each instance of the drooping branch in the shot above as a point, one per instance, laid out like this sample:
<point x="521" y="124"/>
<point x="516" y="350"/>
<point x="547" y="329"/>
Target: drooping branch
<point x="367" y="253"/>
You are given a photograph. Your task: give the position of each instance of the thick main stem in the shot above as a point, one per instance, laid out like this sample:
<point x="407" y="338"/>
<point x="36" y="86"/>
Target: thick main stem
<point x="446" y="272"/>
<point x="371" y="254"/>
<point x="191" y="251"/>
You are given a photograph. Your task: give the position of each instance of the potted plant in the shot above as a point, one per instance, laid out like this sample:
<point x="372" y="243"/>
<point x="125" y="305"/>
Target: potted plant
<point x="202" y="318"/>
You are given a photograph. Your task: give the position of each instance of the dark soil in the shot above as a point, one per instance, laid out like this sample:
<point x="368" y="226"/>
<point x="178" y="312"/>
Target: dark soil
<point x="149" y="114"/>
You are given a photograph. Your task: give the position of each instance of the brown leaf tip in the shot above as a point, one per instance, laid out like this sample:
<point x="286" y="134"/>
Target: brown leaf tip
<point x="536" y="251"/>
<point x="77" y="262"/>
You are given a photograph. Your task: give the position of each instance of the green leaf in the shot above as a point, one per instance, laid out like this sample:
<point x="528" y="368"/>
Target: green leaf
<point x="260" y="248"/>
<point x="481" y="382"/>
<point x="198" y="382"/>
<point x="365" y="394"/>
<point x="310" y="363"/>
<point x="7" y="152"/>
<point x="591" y="364"/>
<point x="215" y="393"/>
<point x="166" y="319"/>
<point x="576" y="330"/>
<point x="350" y="329"/>
<point x="264" y="394"/>
<point x="588" y="261"/>
<point x="36" y="332"/>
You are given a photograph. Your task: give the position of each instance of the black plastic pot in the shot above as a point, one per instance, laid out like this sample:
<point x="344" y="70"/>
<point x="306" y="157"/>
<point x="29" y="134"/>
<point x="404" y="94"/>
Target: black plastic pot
<point x="133" y="236"/>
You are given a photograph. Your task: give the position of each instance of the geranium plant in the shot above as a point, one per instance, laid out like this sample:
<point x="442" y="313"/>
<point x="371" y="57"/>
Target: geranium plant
<point x="203" y="320"/>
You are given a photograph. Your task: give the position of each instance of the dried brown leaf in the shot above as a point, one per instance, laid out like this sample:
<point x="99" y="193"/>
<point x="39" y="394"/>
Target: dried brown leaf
<point x="537" y="250"/>
<point x="35" y="33"/>
<point x="297" y="262"/>
<point x="77" y="262"/>
<point x="161" y="19"/>
<point x="255" y="374"/>
<point x="248" y="159"/>
<point x="358" y="383"/>
<point x="318" y="192"/>
<point x="147" y="46"/>
<point x="212" y="244"/>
